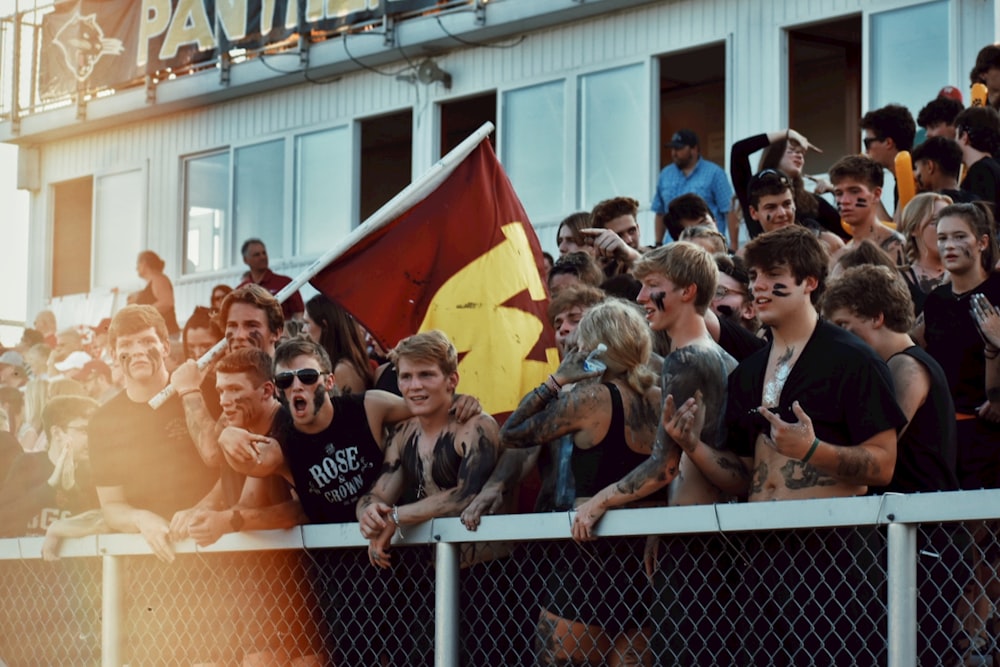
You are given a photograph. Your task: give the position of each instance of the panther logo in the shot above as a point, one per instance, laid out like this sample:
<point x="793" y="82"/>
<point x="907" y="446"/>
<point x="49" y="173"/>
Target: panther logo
<point x="83" y="44"/>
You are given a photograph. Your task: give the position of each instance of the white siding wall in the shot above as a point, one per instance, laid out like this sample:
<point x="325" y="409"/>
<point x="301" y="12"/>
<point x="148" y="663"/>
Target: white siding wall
<point x="757" y="62"/>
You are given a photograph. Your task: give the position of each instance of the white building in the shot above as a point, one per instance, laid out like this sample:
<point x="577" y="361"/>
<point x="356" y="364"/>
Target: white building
<point x="298" y="142"/>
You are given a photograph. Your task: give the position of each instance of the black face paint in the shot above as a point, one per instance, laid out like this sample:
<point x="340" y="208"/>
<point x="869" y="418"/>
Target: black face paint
<point x="779" y="290"/>
<point x="318" y="398"/>
<point x="256" y="339"/>
<point x="657" y="299"/>
<point x="151" y="354"/>
<point x="768" y="218"/>
<point x="861" y="202"/>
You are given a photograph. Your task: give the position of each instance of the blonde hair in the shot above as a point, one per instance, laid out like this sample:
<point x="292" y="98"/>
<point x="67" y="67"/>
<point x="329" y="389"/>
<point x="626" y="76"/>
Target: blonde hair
<point x="618" y="324"/>
<point x="919" y="209"/>
<point x="684" y="264"/>
<point x="36" y="395"/>
<point x="431" y="346"/>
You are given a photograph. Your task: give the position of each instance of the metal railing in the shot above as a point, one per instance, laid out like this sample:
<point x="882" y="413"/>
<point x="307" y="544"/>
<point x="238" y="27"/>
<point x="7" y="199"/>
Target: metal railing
<point x="897" y="580"/>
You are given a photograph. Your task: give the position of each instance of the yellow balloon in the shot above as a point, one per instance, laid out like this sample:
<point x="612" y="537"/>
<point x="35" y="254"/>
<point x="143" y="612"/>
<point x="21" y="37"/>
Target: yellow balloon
<point x="904" y="178"/>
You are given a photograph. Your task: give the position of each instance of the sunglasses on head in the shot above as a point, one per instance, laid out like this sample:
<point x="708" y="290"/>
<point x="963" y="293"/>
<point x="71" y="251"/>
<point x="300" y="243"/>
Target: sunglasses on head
<point x="770" y="174"/>
<point x="307" y="376"/>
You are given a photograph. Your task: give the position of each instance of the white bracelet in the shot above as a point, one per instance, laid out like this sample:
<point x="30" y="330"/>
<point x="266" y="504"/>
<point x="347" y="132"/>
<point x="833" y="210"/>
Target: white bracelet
<point x="395" y="520"/>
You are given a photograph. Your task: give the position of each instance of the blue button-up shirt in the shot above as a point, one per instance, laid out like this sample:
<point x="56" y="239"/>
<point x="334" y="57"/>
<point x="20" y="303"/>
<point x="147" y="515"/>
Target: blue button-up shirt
<point x="707" y="180"/>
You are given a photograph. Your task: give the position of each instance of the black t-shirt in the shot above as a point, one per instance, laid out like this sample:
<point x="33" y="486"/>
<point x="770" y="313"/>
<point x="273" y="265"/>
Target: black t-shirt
<point x="954" y="341"/>
<point x="332" y="469"/>
<point x="926" y="453"/>
<point x="840" y="383"/>
<point x="10" y="449"/>
<point x="737" y="340"/>
<point x="958" y="196"/>
<point x="983" y="181"/>
<point x="149" y="453"/>
<point x="28" y="504"/>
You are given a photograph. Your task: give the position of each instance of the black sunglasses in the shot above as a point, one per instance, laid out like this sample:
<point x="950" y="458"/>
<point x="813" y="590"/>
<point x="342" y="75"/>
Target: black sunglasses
<point x="307" y="376"/>
<point x="868" y="141"/>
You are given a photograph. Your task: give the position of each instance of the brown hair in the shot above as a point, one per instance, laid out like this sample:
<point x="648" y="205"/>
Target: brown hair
<point x="869" y="291"/>
<point x="583" y="296"/>
<point x="256" y="296"/>
<point x="859" y="167"/>
<point x="299" y="347"/>
<point x="250" y="360"/>
<point x="795" y="247"/>
<point x="135" y="318"/>
<point x="609" y="209"/>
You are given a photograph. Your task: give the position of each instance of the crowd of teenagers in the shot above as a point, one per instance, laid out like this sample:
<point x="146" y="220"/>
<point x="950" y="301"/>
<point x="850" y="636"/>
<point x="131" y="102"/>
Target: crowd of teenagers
<point x="778" y="344"/>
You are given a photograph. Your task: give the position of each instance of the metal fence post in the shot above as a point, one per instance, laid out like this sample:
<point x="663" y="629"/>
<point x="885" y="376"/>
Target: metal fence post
<point x="902" y="594"/>
<point x="112" y="627"/>
<point x="446" y="605"/>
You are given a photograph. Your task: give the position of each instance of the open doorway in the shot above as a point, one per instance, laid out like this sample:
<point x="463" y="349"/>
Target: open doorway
<point x="693" y="97"/>
<point x="386" y="159"/>
<point x="460" y="118"/>
<point x="72" y="225"/>
<point x="824" y="88"/>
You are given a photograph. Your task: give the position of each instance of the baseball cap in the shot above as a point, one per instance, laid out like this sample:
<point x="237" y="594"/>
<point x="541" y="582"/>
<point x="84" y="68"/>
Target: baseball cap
<point x="92" y="368"/>
<point x="74" y="362"/>
<point x="951" y="92"/>
<point x="12" y="358"/>
<point x="683" y="138"/>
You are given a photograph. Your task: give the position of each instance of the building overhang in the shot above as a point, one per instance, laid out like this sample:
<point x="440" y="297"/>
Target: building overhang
<point x="420" y="36"/>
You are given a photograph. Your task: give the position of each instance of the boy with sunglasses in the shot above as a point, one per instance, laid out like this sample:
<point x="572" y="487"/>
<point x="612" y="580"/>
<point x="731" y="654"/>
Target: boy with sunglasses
<point x="329" y="447"/>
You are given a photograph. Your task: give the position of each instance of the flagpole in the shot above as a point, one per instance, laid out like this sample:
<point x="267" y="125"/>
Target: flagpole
<point x="409" y="196"/>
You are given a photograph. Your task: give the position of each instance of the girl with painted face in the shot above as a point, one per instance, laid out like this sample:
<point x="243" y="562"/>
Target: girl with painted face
<point x="967" y="245"/>
<point x="956" y="320"/>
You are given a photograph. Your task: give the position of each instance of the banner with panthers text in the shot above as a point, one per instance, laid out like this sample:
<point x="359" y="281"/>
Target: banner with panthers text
<point x="97" y="44"/>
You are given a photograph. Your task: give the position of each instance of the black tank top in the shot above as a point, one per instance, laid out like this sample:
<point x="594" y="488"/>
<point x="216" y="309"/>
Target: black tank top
<point x="609" y="460"/>
<point x="926" y="453"/>
<point x="147" y="298"/>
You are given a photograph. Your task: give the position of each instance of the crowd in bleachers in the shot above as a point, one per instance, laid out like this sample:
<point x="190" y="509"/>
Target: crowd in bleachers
<point x="775" y="341"/>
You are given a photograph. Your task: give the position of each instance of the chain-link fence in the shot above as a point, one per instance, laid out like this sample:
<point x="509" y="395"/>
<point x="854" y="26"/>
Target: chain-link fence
<point x="732" y="585"/>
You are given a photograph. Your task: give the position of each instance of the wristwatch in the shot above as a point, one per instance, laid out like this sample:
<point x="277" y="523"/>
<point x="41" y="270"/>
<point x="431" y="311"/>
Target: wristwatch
<point x="236" y="521"/>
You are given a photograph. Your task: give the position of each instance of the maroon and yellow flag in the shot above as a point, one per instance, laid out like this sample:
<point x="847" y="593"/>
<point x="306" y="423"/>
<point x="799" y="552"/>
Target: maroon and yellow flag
<point x="464" y="260"/>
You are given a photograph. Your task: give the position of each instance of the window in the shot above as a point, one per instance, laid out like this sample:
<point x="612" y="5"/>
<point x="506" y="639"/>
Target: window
<point x="206" y="211"/>
<point x="323" y="186"/>
<point x="896" y="36"/>
<point x="120" y="229"/>
<point x="533" y="145"/>
<point x="614" y="135"/>
<point x="259" y="196"/>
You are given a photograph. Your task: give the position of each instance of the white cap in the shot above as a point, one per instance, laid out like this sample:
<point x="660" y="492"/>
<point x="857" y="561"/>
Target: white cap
<point x="74" y="362"/>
